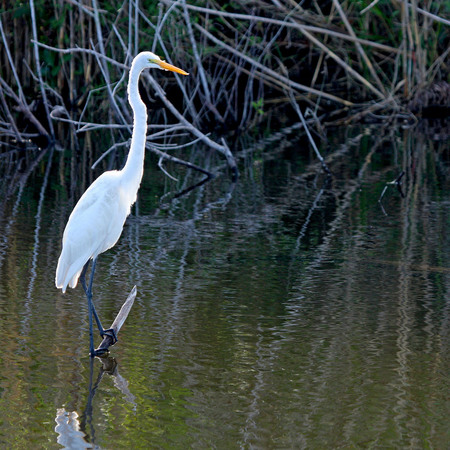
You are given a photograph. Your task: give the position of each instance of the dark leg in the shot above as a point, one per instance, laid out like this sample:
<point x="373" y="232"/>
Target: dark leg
<point x="91" y="308"/>
<point x="91" y="334"/>
<point x="110" y="332"/>
<point x="88" y="291"/>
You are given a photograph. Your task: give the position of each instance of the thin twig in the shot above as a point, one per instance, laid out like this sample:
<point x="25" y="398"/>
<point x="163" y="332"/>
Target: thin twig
<point x="306" y="128"/>
<point x="429" y="15"/>
<point x="223" y="149"/>
<point x="174" y="159"/>
<point x="294" y="25"/>
<point x="359" y="46"/>
<point x="68" y="51"/>
<point x="274" y="74"/>
<point x="38" y="69"/>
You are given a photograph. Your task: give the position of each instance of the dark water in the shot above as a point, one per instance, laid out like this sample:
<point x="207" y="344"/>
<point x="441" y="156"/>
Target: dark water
<point x="286" y="310"/>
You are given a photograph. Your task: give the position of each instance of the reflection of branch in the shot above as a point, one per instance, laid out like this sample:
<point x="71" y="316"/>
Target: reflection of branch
<point x="222" y="201"/>
<point x="397" y="182"/>
<point x="335" y="225"/>
<point x="34" y="258"/>
<point x="184" y="191"/>
<point x="5" y="195"/>
<point x="308" y="216"/>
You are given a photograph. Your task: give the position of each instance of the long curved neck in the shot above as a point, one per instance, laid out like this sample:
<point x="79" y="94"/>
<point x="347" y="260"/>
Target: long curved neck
<point x="134" y="167"/>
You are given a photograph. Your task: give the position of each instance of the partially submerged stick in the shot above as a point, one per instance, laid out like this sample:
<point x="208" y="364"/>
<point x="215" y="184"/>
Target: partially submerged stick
<point x="117" y="324"/>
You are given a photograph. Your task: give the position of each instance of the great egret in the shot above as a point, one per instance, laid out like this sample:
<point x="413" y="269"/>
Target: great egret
<point x="97" y="220"/>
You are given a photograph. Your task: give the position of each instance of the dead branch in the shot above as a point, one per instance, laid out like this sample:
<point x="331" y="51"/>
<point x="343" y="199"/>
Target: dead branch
<point x="296" y="25"/>
<point x="117" y="324"/>
<point x="275" y="75"/>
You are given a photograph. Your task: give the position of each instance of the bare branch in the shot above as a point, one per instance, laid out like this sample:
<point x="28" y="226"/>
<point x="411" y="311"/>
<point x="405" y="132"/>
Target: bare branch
<point x="118" y="322"/>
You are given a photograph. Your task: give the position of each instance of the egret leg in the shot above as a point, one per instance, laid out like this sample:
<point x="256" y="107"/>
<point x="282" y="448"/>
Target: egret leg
<point x="91" y="334"/>
<point x="91" y="307"/>
<point x="88" y="292"/>
<point x="109" y="332"/>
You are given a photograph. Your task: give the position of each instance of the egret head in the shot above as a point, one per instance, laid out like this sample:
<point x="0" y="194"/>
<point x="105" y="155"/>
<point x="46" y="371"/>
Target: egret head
<point x="148" y="60"/>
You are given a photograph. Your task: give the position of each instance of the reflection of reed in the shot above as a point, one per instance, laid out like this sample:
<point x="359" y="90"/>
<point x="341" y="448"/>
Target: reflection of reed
<point x="415" y="164"/>
<point x="27" y="314"/>
<point x="14" y="180"/>
<point x="320" y="352"/>
<point x="347" y="349"/>
<point x="35" y="254"/>
<point x="329" y="356"/>
<point x="265" y="362"/>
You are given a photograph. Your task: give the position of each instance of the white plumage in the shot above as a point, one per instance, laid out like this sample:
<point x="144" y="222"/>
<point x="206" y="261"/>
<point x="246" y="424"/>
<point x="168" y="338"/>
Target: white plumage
<point x="94" y="226"/>
<point x="97" y="220"/>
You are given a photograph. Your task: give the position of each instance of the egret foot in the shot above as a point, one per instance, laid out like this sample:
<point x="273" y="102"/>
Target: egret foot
<point x="100" y="352"/>
<point x="111" y="333"/>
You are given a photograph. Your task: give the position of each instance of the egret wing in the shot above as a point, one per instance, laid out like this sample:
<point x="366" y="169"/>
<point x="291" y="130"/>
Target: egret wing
<point x="93" y="227"/>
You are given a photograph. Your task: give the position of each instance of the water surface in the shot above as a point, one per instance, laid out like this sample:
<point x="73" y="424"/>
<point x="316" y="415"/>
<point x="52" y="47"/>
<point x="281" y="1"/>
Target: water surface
<point x="285" y="310"/>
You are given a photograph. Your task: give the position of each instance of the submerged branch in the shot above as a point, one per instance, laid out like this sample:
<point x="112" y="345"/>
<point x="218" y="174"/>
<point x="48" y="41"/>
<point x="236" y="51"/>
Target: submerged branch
<point x="118" y="322"/>
<point x="164" y="156"/>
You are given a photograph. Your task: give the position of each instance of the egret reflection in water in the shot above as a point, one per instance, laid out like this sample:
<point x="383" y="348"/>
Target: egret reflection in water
<point x="78" y="430"/>
<point x="285" y="310"/>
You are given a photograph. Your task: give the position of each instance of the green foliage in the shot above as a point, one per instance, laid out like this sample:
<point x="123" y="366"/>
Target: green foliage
<point x="233" y="79"/>
<point x="258" y="106"/>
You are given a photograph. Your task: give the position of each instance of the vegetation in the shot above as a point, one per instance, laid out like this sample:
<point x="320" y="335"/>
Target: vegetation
<point x="337" y="61"/>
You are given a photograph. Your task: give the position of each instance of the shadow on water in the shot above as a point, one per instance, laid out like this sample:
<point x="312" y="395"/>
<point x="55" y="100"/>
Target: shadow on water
<point x="288" y="309"/>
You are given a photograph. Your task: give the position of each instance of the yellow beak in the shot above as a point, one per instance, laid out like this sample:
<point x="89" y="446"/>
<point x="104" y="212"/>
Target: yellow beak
<point x="167" y="66"/>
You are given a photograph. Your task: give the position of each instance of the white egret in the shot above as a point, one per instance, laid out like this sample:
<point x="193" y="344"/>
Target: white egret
<point x="97" y="220"/>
